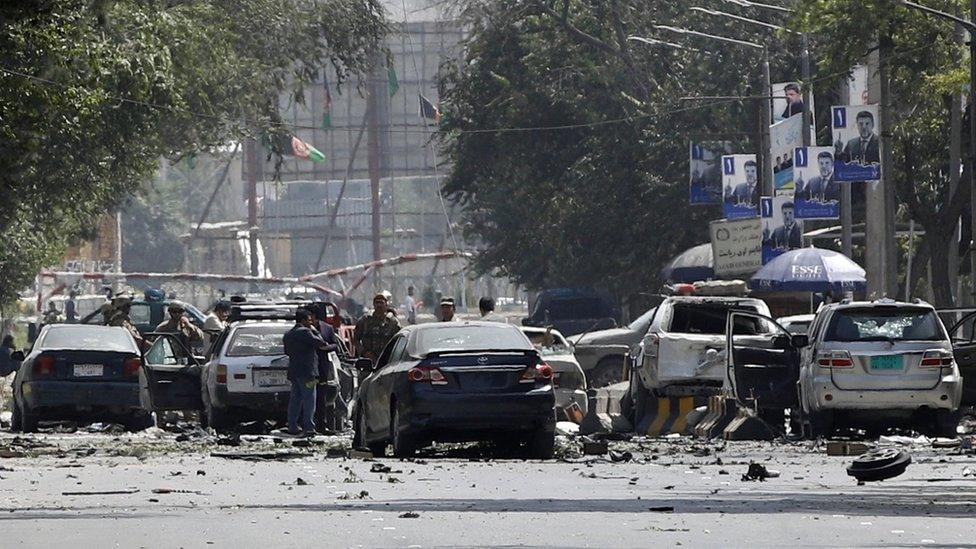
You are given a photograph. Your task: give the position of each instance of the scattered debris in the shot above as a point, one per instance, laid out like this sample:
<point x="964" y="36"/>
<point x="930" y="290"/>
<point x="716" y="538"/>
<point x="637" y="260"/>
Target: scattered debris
<point x="757" y="471"/>
<point x="260" y="456"/>
<point x="101" y="493"/>
<point x="230" y="439"/>
<point x="301" y="482"/>
<point x="567" y="428"/>
<point x="619" y="457"/>
<point x="879" y="465"/>
<point x="380" y="468"/>
<point x="661" y="509"/>
<point x="845" y="448"/>
<point x="175" y="491"/>
<point x="110" y="428"/>
<point x="946" y="443"/>
<point x="410" y="514"/>
<point x="593" y="447"/>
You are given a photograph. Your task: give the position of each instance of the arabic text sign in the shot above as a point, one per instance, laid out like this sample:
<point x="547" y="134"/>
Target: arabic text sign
<point x="736" y="246"/>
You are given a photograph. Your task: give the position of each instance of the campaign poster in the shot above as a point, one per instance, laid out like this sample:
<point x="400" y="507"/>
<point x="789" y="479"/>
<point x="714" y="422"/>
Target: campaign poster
<point x="781" y="230"/>
<point x="784" y="136"/>
<point x="857" y="152"/>
<point x="736" y="246"/>
<point x="787" y="100"/>
<point x="705" y="183"/>
<point x="740" y="192"/>
<point x="817" y="191"/>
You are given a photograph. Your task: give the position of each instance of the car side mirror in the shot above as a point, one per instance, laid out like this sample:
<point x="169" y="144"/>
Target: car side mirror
<point x="364" y="364"/>
<point x="801" y="340"/>
<point x="17" y="356"/>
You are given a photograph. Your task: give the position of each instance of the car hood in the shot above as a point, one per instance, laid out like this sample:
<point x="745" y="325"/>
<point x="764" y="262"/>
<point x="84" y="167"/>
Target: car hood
<point x="611" y="336"/>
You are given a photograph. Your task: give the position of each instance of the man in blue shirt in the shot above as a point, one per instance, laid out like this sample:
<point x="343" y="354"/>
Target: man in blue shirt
<point x="302" y="345"/>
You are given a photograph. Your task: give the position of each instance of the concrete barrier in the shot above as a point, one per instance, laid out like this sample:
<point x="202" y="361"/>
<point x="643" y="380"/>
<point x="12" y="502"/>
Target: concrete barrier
<point x="721" y="411"/>
<point x="668" y="415"/>
<point x="748" y="426"/>
<point x="604" y="411"/>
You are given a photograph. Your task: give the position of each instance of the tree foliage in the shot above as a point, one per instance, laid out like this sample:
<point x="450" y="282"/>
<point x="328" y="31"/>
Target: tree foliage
<point x="92" y="93"/>
<point x="924" y="56"/>
<point x="599" y="197"/>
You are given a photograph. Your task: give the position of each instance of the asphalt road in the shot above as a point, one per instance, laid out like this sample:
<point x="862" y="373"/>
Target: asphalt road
<point x="176" y="494"/>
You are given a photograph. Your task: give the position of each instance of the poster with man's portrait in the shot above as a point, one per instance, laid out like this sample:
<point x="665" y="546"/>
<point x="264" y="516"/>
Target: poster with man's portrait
<point x="705" y="183"/>
<point x="782" y="231"/>
<point x="857" y="152"/>
<point x="784" y="136"/>
<point x="787" y="100"/>
<point x="740" y="190"/>
<point x="816" y="190"/>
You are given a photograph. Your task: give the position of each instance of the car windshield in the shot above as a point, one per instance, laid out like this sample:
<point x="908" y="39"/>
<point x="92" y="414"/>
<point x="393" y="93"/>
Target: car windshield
<point x="88" y="338"/>
<point x="549" y="344"/>
<point x="470" y="337"/>
<point x="885" y="324"/>
<point x="258" y="341"/>
<point x="710" y="319"/>
<point x="643" y="322"/>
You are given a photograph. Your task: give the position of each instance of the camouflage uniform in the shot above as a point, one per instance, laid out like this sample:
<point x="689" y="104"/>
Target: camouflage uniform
<point x="373" y="333"/>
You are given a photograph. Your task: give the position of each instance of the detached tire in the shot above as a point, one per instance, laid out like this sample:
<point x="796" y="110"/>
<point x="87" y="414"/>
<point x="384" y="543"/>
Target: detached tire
<point x="879" y="465"/>
<point x="541" y="444"/>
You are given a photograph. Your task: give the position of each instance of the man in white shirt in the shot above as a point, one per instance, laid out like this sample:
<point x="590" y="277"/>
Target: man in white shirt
<point x="410" y="304"/>
<point x="216" y="321"/>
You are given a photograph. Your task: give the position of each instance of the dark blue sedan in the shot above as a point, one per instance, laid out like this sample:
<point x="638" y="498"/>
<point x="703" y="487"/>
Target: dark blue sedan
<point x="457" y="381"/>
<point x="78" y="371"/>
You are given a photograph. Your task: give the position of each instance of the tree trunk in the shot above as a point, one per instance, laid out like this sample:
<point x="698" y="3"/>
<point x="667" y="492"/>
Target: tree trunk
<point x="938" y="246"/>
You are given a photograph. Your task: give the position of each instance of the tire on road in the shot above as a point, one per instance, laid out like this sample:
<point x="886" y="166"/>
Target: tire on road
<point x="608" y="370"/>
<point x="404" y="446"/>
<point x="879" y="465"/>
<point x="378" y="449"/>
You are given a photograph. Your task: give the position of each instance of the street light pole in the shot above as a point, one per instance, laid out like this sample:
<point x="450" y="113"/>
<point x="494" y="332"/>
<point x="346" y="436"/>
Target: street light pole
<point x="766" y="106"/>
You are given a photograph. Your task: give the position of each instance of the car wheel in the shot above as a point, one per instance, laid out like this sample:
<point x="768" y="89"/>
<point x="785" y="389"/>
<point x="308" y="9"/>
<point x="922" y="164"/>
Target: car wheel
<point x="139" y="421"/>
<point x="378" y="449"/>
<point x="606" y="372"/>
<point x="217" y="419"/>
<point x="946" y="423"/>
<point x="28" y="419"/>
<point x="638" y="398"/>
<point x="15" y="424"/>
<point x="404" y="445"/>
<point x="541" y="444"/>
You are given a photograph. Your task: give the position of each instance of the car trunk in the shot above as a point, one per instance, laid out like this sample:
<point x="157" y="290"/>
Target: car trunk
<point x="483" y="373"/>
<point x="895" y="368"/>
<point x="88" y="366"/>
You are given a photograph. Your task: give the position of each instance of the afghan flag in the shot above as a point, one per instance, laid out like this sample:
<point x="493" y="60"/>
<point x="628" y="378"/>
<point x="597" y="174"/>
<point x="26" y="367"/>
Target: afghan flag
<point x="326" y="104"/>
<point x="303" y="150"/>
<point x="429" y="110"/>
<point x="391" y="80"/>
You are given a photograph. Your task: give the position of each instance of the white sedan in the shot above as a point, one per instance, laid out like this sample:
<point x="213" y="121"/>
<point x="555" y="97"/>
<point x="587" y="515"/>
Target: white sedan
<point x="569" y="380"/>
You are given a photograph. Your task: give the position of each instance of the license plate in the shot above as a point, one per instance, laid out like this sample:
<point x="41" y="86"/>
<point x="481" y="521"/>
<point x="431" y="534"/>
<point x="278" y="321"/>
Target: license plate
<point x="89" y="370"/>
<point x="271" y="378"/>
<point x="886" y="362"/>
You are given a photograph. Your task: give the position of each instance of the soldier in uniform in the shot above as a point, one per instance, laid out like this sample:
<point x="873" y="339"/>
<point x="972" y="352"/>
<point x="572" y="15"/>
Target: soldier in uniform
<point x="178" y="323"/>
<point x="116" y="313"/>
<point x="374" y="331"/>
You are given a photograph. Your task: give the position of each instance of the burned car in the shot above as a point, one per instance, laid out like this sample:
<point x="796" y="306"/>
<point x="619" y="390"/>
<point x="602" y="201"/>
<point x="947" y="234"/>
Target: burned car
<point x="77" y="371"/>
<point x="567" y="375"/>
<point x="602" y="354"/>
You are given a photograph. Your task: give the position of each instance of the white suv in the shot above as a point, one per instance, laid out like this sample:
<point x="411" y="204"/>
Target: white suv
<point x="870" y="364"/>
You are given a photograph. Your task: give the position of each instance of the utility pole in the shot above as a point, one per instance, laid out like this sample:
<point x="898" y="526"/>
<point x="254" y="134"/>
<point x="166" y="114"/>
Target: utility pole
<point x="373" y="146"/>
<point x="251" y="161"/>
<point x="766" y="108"/>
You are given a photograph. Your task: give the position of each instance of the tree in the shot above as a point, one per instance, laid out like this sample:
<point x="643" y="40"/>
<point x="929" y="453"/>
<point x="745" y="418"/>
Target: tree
<point x="568" y="141"/>
<point x="923" y="56"/>
<point x="94" y="92"/>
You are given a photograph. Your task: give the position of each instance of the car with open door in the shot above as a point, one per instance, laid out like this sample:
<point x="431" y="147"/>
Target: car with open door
<point x="870" y="364"/>
<point x="77" y="371"/>
<point x="455" y="382"/>
<point x="961" y="323"/>
<point x="568" y="378"/>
